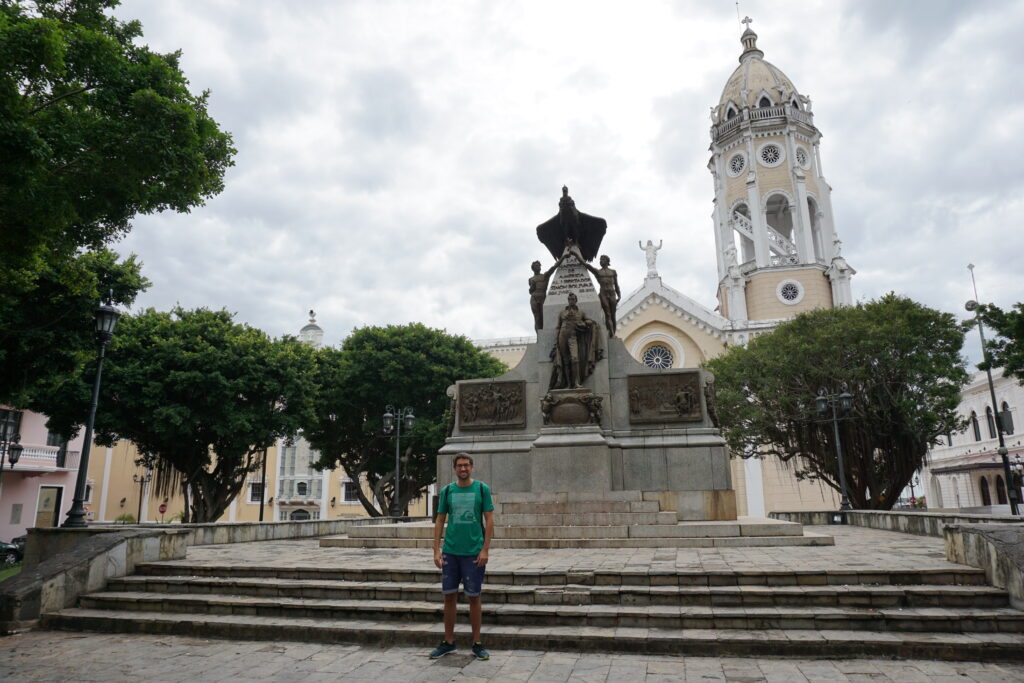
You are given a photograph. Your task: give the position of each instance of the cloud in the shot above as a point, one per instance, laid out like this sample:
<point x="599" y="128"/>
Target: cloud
<point x="395" y="158"/>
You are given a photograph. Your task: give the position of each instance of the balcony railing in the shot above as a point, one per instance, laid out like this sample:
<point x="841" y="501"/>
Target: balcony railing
<point x="781" y="113"/>
<point x="48" y="456"/>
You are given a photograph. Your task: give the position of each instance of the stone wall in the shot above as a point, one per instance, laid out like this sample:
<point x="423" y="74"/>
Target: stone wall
<point x="996" y="548"/>
<point x="917" y="523"/>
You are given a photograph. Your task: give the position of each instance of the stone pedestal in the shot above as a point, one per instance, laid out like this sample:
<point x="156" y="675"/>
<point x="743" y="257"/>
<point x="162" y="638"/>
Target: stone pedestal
<point x="629" y="428"/>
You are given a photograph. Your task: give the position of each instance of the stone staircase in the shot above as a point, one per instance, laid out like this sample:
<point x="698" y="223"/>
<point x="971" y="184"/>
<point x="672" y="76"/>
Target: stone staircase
<point x="619" y="519"/>
<point x="933" y="614"/>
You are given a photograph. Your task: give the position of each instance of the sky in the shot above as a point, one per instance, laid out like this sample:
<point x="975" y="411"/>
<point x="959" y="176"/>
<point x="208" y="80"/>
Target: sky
<point x="394" y="158"/>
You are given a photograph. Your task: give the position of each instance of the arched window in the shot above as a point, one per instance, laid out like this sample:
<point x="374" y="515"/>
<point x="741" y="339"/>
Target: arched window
<point x="975" y="426"/>
<point x="1000" y="490"/>
<point x="730" y="112"/>
<point x="301" y="488"/>
<point x="991" y="422"/>
<point x="765" y="102"/>
<point x="986" y="497"/>
<point x="300" y="515"/>
<point x="1007" y="426"/>
<point x="795" y="105"/>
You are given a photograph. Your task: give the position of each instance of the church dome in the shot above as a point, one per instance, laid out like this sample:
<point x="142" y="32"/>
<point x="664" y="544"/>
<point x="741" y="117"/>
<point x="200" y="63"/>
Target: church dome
<point x="756" y="83"/>
<point x="312" y="333"/>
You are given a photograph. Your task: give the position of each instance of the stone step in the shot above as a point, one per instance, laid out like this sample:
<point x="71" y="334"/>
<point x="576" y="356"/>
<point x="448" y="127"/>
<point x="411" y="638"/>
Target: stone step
<point x="960" y="576"/>
<point x="577" y="594"/>
<point x="628" y="527"/>
<point x="584" y="518"/>
<point x="575" y="497"/>
<point x="700" y="642"/>
<point x="576" y="507"/>
<point x="807" y="539"/>
<point x="932" y="619"/>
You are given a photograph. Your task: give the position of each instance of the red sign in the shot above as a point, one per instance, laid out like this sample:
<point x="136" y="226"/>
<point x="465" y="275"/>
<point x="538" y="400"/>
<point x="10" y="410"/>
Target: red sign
<point x="162" y="508"/>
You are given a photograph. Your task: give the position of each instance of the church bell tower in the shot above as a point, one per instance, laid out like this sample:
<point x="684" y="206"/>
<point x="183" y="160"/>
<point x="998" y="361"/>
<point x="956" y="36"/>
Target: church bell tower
<point x="776" y="243"/>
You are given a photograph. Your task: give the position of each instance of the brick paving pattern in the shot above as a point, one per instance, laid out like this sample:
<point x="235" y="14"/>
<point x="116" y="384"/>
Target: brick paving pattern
<point x="59" y="656"/>
<point x="857" y="548"/>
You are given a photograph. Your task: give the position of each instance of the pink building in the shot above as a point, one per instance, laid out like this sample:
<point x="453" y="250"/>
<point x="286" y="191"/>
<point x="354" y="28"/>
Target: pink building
<point x="39" y="489"/>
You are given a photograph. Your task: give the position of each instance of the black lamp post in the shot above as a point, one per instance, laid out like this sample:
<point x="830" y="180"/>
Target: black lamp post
<point x="393" y="423"/>
<point x="837" y="403"/>
<point x="10" y="449"/>
<point x="106" y="320"/>
<point x="972" y="306"/>
<point x="142" y="480"/>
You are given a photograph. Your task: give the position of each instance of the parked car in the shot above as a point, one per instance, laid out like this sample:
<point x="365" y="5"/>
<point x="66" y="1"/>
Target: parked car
<point x="10" y="554"/>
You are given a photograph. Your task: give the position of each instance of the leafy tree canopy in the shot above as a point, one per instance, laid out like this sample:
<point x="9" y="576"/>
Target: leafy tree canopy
<point x="404" y="366"/>
<point x="899" y="359"/>
<point x="94" y="129"/>
<point x="200" y="395"/>
<point x="48" y="334"/>
<point x="1006" y="350"/>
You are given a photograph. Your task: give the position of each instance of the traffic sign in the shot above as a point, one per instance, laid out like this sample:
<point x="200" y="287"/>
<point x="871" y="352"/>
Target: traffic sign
<point x="162" y="508"/>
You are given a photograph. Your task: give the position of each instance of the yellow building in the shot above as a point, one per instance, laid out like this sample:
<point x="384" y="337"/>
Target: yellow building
<point x="776" y="247"/>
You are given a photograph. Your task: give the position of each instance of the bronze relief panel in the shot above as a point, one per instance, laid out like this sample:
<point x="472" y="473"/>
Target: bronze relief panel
<point x="664" y="397"/>
<point x="492" y="404"/>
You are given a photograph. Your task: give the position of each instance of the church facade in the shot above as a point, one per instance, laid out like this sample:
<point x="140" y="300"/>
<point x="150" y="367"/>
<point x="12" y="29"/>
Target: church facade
<point x="776" y="248"/>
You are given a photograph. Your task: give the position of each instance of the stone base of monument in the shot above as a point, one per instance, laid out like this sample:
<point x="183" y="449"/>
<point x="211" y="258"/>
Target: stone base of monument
<point x="619" y="519"/>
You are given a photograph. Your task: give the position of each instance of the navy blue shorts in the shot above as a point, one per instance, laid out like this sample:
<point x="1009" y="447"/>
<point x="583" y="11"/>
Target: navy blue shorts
<point x="456" y="569"/>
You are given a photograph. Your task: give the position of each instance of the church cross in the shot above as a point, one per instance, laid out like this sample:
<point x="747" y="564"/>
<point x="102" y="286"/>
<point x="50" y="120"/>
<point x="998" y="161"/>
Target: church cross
<point x="748" y="21"/>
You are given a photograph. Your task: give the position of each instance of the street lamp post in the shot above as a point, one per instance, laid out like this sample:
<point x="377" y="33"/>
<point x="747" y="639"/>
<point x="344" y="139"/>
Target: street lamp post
<point x="393" y="423"/>
<point x="142" y="480"/>
<point x="972" y="306"/>
<point x="10" y="448"/>
<point x="825" y="402"/>
<point x="106" y="320"/>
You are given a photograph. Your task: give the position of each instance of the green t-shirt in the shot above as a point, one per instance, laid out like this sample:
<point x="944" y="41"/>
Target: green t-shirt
<point x="465" y="507"/>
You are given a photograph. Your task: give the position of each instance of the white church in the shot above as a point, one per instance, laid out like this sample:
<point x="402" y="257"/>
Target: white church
<point x="777" y="250"/>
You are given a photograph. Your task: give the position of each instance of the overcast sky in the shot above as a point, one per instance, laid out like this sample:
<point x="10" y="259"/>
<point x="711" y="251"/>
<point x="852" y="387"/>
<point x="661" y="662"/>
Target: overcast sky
<point x="395" y="157"/>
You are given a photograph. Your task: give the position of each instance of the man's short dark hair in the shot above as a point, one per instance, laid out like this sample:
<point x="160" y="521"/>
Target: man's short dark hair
<point x="461" y="456"/>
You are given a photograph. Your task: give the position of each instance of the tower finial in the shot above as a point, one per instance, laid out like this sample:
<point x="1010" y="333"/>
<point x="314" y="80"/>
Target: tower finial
<point x="749" y="40"/>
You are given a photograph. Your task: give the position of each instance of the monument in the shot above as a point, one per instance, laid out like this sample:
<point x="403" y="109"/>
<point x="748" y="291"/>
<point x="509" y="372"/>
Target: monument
<point x="579" y="414"/>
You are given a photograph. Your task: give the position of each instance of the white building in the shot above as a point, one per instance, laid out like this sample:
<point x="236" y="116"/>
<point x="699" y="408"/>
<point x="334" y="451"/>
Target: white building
<point x="966" y="470"/>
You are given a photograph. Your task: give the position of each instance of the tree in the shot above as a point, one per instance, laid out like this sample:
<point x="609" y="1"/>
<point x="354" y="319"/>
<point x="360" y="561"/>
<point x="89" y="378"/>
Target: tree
<point x="402" y="365"/>
<point x="94" y="129"/>
<point x="200" y="396"/>
<point x="48" y="335"/>
<point x="899" y="359"/>
<point x="1007" y="349"/>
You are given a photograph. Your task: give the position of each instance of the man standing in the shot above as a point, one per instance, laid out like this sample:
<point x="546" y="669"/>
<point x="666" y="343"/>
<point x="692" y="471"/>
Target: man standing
<point x="467" y="507"/>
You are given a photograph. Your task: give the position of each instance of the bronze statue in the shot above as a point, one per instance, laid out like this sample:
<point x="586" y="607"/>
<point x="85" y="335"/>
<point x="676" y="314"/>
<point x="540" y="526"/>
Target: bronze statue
<point x="609" y="294"/>
<point x="571" y="227"/>
<point x="539" y="290"/>
<point x="576" y="349"/>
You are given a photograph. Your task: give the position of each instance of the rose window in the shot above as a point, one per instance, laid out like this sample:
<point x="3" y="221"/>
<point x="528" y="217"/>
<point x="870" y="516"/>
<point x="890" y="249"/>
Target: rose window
<point x="801" y="157"/>
<point x="657" y="356"/>
<point x="771" y="155"/>
<point x="736" y="164"/>
<point x="790" y="291"/>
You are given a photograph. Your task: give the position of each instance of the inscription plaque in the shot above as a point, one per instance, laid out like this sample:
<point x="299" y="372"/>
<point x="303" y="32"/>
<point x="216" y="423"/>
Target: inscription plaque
<point x="492" y="404"/>
<point x="666" y="397"/>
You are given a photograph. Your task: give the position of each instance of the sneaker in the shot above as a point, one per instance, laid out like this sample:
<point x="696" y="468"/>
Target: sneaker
<point x="443" y="649"/>
<point x="479" y="652"/>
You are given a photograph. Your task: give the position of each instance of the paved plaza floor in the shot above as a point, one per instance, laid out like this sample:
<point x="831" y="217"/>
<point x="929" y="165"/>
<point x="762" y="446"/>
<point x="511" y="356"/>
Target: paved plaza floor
<point x="58" y="656"/>
<point x="856" y="548"/>
<point x="43" y="655"/>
